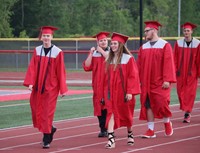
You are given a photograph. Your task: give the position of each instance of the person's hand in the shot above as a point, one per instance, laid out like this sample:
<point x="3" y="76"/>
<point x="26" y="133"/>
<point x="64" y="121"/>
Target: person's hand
<point x="30" y="87"/>
<point x="62" y="96"/>
<point x="165" y="85"/>
<point x="129" y="97"/>
<point x="99" y="49"/>
<point x="92" y="50"/>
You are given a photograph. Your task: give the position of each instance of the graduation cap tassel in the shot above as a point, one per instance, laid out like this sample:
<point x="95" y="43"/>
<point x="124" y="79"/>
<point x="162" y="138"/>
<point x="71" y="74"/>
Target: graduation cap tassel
<point x="178" y="73"/>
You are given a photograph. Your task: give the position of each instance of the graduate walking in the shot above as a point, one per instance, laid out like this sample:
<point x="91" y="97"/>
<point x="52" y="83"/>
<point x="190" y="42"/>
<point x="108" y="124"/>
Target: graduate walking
<point x="157" y="72"/>
<point x="121" y="86"/>
<point x="95" y="62"/>
<point x="187" y="61"/>
<point x="45" y="77"/>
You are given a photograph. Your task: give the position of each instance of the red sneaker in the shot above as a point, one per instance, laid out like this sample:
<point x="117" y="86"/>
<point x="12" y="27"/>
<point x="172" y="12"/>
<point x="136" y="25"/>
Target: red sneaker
<point x="149" y="134"/>
<point x="168" y="129"/>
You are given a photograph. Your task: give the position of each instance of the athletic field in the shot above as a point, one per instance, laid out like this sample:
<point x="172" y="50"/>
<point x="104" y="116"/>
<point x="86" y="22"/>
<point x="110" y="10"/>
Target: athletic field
<point x="78" y="129"/>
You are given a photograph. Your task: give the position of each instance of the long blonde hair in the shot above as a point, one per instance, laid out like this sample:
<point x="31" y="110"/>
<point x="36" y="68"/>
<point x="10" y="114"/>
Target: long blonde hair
<point x="122" y="49"/>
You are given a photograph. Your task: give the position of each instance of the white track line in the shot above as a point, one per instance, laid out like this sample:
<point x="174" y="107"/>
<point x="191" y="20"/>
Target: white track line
<point x="81" y="118"/>
<point x="63" y="99"/>
<point x="28" y="144"/>
<point x="57" y="122"/>
<point x="82" y="126"/>
<point x="162" y="144"/>
<point x="13" y="105"/>
<point x="73" y="120"/>
<point x="69" y="128"/>
<point x="84" y="146"/>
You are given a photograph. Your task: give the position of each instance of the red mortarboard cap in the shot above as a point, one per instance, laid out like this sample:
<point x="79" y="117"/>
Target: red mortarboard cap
<point x="101" y="35"/>
<point x="119" y="37"/>
<point x="188" y="25"/>
<point x="48" y="29"/>
<point x="152" y="24"/>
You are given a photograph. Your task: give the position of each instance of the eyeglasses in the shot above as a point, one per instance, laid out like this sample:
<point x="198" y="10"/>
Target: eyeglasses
<point x="146" y="31"/>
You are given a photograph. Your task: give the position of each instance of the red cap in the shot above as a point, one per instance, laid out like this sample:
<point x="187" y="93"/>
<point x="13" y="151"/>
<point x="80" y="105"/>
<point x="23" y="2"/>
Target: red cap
<point x="47" y="30"/>
<point x="101" y="35"/>
<point x="119" y="37"/>
<point x="188" y="25"/>
<point x="152" y="24"/>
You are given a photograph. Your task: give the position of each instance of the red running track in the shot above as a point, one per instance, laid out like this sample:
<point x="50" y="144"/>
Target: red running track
<point x="80" y="136"/>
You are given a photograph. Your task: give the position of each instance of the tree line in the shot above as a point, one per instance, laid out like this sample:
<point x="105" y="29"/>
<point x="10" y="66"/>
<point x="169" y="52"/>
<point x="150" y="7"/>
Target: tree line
<point x="77" y="18"/>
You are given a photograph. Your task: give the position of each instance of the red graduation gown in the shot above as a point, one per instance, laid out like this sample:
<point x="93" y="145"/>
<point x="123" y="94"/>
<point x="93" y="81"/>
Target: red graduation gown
<point x="43" y="105"/>
<point x="187" y="83"/>
<point x="156" y="65"/>
<point x="123" y="111"/>
<point x="98" y="70"/>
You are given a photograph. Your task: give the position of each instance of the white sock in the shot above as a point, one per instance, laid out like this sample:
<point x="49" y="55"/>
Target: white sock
<point x="166" y="120"/>
<point x="150" y="125"/>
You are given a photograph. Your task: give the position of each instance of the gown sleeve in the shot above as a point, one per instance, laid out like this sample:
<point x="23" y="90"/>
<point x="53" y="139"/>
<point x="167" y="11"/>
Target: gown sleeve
<point x="168" y="65"/>
<point x="31" y="71"/>
<point x="87" y="68"/>
<point x="61" y="73"/>
<point x="198" y="61"/>
<point x="133" y="83"/>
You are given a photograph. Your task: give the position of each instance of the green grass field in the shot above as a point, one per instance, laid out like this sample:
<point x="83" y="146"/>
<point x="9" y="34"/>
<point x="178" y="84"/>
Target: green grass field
<point x="17" y="113"/>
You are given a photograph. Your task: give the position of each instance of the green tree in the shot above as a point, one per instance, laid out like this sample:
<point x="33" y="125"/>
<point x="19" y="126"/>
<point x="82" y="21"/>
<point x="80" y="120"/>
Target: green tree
<point x="24" y="17"/>
<point x="158" y="10"/>
<point x="190" y="13"/>
<point x="30" y="15"/>
<point x="87" y="17"/>
<point x="172" y="24"/>
<point x="5" y="13"/>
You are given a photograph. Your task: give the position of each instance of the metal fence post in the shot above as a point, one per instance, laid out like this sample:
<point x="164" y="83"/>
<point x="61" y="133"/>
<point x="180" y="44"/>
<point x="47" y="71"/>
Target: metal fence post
<point x="28" y="53"/>
<point x="16" y="61"/>
<point x="76" y="55"/>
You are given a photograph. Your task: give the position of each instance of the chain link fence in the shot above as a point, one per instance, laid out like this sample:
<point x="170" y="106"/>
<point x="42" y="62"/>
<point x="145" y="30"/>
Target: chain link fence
<point x="15" y="54"/>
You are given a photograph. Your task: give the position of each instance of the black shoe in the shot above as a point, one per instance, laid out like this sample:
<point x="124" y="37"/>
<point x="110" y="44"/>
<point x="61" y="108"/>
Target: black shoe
<point x="53" y="130"/>
<point x="46" y="140"/>
<point x="187" y="118"/>
<point x="46" y="145"/>
<point x="103" y="134"/>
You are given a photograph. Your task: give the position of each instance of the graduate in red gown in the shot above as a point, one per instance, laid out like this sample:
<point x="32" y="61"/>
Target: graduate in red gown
<point x="95" y="62"/>
<point x="121" y="85"/>
<point x="157" y="72"/>
<point x="187" y="61"/>
<point x="46" y="77"/>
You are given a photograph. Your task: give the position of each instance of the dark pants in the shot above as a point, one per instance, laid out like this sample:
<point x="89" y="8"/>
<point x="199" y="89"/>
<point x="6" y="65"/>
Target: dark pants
<point x="102" y="120"/>
<point x="46" y="138"/>
<point x="147" y="103"/>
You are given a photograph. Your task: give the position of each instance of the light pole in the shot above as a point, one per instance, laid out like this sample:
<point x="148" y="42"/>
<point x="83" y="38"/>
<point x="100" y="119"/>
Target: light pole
<point x="141" y="23"/>
<point x="179" y="16"/>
